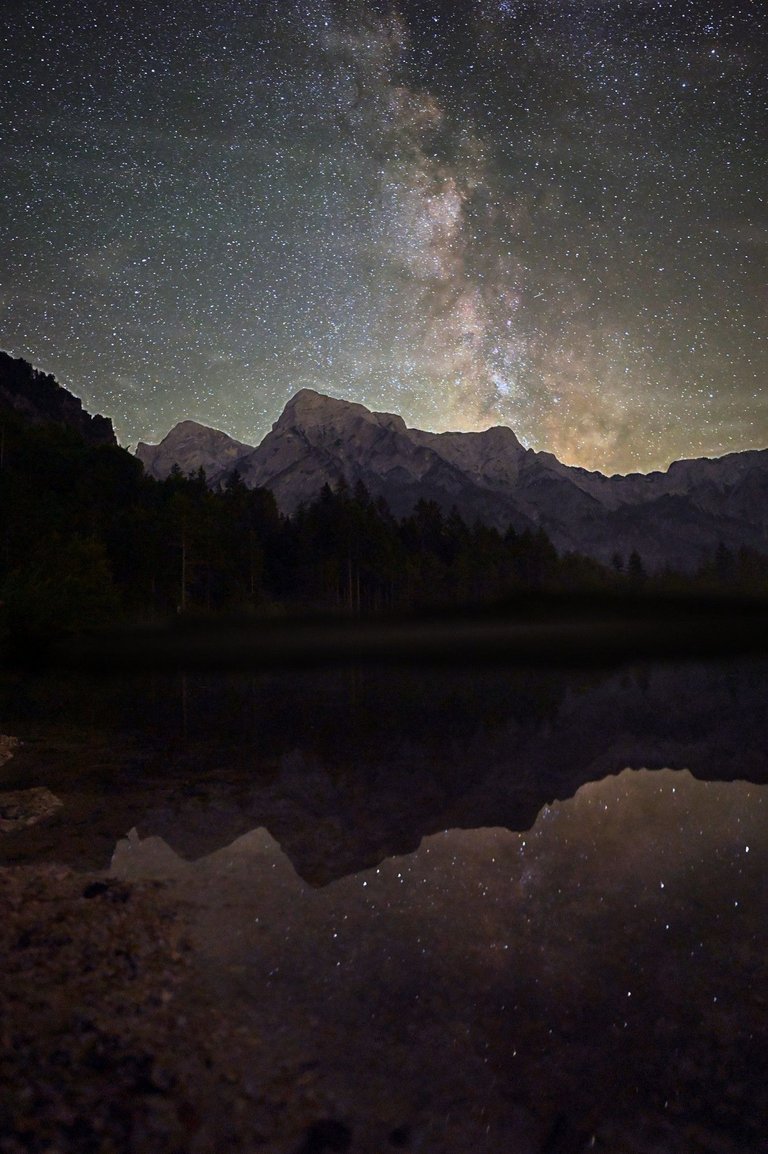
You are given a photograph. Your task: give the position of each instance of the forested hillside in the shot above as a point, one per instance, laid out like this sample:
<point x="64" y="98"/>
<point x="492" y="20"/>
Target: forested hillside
<point x="87" y="540"/>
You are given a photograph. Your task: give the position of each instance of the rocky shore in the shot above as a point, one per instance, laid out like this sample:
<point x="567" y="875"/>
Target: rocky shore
<point x="110" y="1043"/>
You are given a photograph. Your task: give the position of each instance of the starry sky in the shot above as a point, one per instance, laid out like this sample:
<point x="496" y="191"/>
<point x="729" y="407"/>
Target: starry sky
<point x="549" y="215"/>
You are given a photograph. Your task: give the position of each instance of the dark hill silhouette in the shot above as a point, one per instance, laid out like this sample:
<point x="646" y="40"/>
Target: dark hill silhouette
<point x="39" y="399"/>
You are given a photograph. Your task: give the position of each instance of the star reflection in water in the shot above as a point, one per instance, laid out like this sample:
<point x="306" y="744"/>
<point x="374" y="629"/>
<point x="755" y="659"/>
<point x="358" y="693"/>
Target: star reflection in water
<point x="596" y="980"/>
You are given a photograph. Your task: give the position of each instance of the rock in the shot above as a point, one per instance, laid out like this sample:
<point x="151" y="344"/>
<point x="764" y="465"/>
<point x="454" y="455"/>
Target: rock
<point x="7" y="746"/>
<point x="192" y="447"/>
<point x="24" y="807"/>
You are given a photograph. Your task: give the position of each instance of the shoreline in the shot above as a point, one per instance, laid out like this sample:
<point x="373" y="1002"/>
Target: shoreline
<point x="538" y="631"/>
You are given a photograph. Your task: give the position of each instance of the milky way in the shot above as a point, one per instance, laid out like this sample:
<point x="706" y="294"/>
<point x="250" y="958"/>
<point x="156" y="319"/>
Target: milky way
<point x="546" y="215"/>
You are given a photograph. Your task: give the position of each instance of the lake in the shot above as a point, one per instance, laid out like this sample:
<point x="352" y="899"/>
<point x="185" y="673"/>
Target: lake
<point x="422" y="908"/>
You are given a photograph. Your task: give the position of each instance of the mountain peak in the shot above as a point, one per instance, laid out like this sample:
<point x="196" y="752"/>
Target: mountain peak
<point x="672" y="519"/>
<point x="309" y="409"/>
<point x="191" y="446"/>
<point x="188" y="426"/>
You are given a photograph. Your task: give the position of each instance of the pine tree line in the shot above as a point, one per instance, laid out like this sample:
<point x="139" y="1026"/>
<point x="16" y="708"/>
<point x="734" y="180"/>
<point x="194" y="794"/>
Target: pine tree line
<point x="87" y="539"/>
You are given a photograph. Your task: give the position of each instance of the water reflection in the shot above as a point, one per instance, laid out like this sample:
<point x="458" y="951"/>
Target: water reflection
<point x="549" y="975"/>
<point x="595" y="982"/>
<point x="348" y="767"/>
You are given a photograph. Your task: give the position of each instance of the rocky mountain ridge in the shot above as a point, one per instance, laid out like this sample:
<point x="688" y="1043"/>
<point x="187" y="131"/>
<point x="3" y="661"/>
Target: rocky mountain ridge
<point x="192" y="446"/>
<point x="672" y="518"/>
<point x="39" y="399"/>
<point x="675" y="518"/>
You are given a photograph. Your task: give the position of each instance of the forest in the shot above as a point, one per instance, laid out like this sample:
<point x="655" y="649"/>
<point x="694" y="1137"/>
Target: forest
<point x="87" y="540"/>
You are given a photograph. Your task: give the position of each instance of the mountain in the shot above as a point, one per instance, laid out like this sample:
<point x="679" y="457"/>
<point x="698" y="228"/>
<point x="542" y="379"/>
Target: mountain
<point x="39" y="399"/>
<point x="192" y="447"/>
<point x="672" y="518"/>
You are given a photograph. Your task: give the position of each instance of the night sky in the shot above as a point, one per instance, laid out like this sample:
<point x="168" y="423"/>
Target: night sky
<point x="546" y="215"/>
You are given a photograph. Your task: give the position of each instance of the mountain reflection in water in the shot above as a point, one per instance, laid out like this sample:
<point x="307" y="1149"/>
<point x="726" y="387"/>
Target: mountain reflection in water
<point x="610" y="960"/>
<point x="347" y="767"/>
<point x="436" y="905"/>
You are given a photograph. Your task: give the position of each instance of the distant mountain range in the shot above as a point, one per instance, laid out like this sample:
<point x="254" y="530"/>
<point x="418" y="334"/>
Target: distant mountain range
<point x="674" y="518"/>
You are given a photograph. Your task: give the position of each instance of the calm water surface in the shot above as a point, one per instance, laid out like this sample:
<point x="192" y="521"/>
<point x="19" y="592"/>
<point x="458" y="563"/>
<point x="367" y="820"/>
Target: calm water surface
<point x="481" y="909"/>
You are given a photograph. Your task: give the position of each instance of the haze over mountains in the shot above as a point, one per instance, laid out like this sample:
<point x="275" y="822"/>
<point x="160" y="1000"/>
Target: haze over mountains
<point x="673" y="518"/>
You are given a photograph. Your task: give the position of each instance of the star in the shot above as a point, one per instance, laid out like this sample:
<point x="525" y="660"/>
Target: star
<point x="492" y="213"/>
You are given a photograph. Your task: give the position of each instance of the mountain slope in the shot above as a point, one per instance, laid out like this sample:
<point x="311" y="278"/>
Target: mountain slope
<point x="192" y="446"/>
<point x="40" y="400"/>
<point x="674" y="518"/>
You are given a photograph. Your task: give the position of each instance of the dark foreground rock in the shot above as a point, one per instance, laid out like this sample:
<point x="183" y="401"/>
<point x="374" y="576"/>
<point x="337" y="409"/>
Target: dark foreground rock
<point x="87" y="1011"/>
<point x="104" y="1044"/>
<point x="24" y="807"/>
